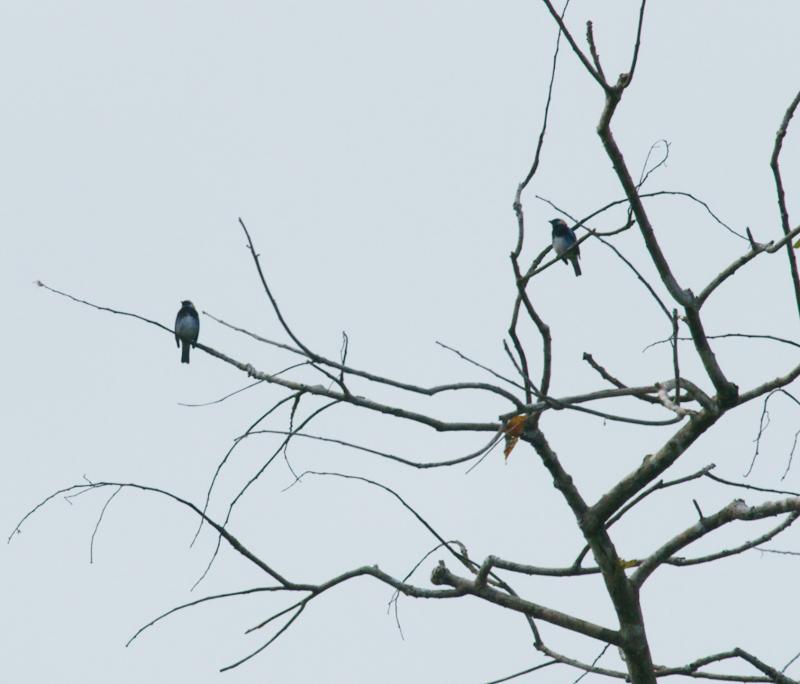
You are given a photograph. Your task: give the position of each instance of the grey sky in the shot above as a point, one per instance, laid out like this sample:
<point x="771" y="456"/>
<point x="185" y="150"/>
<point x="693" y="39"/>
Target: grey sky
<point x="373" y="149"/>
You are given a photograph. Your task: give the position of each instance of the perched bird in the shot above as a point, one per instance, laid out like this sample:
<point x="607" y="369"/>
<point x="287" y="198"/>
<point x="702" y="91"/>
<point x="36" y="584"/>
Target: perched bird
<point x="187" y="327"/>
<point x="563" y="240"/>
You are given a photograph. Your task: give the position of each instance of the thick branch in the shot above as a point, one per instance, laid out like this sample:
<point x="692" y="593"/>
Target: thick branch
<point x="623" y="594"/>
<point x="770" y="385"/>
<point x="736" y="510"/>
<point x="777" y="677"/>
<point x="631" y="192"/>
<point x="652" y="466"/>
<point x="726" y="390"/>
<point x="441" y="575"/>
<point x="661" y="484"/>
<point x="727" y="553"/>
<point x="363" y="402"/>
<point x="536" y="570"/>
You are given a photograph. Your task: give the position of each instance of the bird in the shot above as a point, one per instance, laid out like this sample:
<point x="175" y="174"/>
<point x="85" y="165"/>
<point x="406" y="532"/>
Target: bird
<point x="564" y="241"/>
<point x="187" y="327"/>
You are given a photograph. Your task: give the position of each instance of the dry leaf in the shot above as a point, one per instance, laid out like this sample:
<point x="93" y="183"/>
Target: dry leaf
<point x="513" y="430"/>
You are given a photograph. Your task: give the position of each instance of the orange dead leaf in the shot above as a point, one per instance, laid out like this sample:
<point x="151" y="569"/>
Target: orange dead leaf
<point x="513" y="429"/>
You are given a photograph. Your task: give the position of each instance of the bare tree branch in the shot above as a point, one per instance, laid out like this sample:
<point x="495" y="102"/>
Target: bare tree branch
<point x="232" y="394"/>
<point x="593" y="49"/>
<point x="383" y="454"/>
<point x="441" y="575"/>
<point x="508" y="678"/>
<point x="372" y="377"/>
<point x="578" y="52"/>
<point x="637" y="45"/>
<point x="100" y="520"/>
<point x="661" y="484"/>
<point x="232" y="541"/>
<point x="784" y="212"/>
<point x="225" y="458"/>
<point x="481" y="366"/>
<point x="777" y="677"/>
<point x="727" y="553"/>
<point x="769" y="247"/>
<point x="253" y="479"/>
<point x="196" y="602"/>
<point x="754" y="488"/>
<point x="736" y="510"/>
<point x="751" y="336"/>
<point x="693" y="669"/>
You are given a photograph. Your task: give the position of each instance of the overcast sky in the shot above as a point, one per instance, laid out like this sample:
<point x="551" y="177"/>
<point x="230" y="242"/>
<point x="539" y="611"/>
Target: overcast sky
<point x="373" y="149"/>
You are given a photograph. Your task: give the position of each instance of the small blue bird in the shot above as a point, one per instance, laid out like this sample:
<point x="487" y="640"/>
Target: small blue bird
<point x="187" y="328"/>
<point x="565" y="244"/>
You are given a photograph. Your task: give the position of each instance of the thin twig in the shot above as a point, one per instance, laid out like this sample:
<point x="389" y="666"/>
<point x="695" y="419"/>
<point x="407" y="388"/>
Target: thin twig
<point x="251" y="481"/>
<point x="225" y="458"/>
<point x="99" y="520"/>
<point x="508" y="678"/>
<point x="227" y="396"/>
<point x="466" y="358"/>
<point x="205" y="599"/>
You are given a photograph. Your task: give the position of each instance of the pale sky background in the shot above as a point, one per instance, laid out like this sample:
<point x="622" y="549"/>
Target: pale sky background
<point x="373" y="149"/>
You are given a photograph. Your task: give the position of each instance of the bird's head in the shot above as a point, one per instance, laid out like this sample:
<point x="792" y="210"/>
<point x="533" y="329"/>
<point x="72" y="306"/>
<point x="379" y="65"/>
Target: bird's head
<point x="187" y="304"/>
<point x="558" y="223"/>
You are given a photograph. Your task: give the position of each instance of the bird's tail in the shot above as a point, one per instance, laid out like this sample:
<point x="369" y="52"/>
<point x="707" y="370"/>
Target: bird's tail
<point x="576" y="266"/>
<point x="185" y="351"/>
